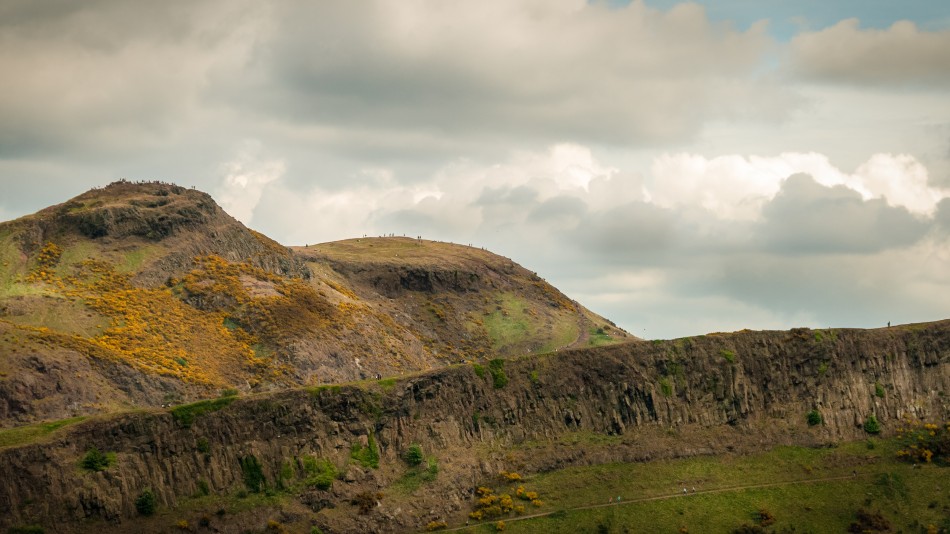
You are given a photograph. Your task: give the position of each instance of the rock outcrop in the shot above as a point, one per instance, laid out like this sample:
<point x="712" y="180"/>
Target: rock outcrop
<point x="703" y="395"/>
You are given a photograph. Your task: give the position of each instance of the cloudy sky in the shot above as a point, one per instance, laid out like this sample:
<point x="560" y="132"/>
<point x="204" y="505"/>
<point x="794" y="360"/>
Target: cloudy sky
<point x="680" y="168"/>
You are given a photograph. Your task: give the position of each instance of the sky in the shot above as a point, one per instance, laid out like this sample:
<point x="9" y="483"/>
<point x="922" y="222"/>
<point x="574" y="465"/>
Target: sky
<point x="680" y="168"/>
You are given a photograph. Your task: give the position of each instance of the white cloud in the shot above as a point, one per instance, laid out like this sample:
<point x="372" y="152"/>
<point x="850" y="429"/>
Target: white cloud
<point x="466" y="198"/>
<point x="244" y="179"/>
<point x="736" y="187"/>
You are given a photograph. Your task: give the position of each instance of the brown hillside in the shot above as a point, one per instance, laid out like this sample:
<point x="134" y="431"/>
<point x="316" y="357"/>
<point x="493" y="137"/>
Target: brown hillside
<point x="144" y="294"/>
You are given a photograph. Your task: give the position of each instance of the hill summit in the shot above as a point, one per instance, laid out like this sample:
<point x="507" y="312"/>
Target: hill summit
<point x="144" y="294"/>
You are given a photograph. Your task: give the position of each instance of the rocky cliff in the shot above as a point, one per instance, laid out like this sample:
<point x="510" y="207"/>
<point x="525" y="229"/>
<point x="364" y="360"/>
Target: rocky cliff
<point x="644" y="400"/>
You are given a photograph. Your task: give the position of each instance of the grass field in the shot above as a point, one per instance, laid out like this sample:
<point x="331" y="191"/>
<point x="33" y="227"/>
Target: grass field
<point x="33" y="433"/>
<point x="804" y="490"/>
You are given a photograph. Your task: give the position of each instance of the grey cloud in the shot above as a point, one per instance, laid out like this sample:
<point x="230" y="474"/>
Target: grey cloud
<point x="96" y="79"/>
<point x="836" y="289"/>
<point x="409" y="222"/>
<point x="942" y="218"/>
<point x="808" y="218"/>
<point x="898" y="56"/>
<point x="528" y="70"/>
<point x="519" y="196"/>
<point x="557" y="210"/>
<point x="636" y="232"/>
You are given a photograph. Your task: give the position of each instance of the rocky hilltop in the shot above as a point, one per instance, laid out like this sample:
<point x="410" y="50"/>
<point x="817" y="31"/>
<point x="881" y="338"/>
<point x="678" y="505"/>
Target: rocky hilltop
<point x="631" y="402"/>
<point x="149" y="294"/>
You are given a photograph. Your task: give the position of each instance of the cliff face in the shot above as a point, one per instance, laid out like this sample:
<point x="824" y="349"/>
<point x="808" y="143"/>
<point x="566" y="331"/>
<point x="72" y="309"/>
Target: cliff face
<point x="701" y="395"/>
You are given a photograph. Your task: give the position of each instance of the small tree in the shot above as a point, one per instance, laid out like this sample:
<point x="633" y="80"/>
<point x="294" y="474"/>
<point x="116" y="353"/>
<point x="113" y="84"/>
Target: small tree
<point x="413" y="455"/>
<point x="95" y="460"/>
<point x="814" y="418"/>
<point x="871" y="426"/>
<point x="145" y="503"/>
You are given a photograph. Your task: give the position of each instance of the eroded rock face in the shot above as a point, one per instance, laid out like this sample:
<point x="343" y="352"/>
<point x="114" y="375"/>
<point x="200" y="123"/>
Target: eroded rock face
<point x="709" y="394"/>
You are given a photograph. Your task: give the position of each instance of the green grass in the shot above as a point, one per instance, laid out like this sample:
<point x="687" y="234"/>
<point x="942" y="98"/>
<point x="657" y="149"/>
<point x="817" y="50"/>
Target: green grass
<point x="386" y="384"/>
<point x="320" y="472"/>
<point x="186" y="414"/>
<point x="10" y="268"/>
<point x="900" y="492"/>
<point x="73" y="254"/>
<point x="132" y="260"/>
<point x="598" y="338"/>
<point x="367" y="456"/>
<point x="509" y="325"/>
<point x="59" y="314"/>
<point x="416" y="476"/>
<point x="497" y="369"/>
<point x="818" y="507"/>
<point x="12" y="288"/>
<point x="33" y="433"/>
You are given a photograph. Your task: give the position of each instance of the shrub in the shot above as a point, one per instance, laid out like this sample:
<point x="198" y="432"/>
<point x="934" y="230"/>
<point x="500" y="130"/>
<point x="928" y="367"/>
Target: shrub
<point x="287" y="472"/>
<point x="728" y="355"/>
<point x="413" y="455"/>
<point x="509" y="476"/>
<point x="479" y="370"/>
<point x="924" y="442"/>
<point x="367" y="456"/>
<point x="432" y="469"/>
<point x="869" y="522"/>
<point x="320" y="472"/>
<point x="203" y="488"/>
<point x="203" y="445"/>
<point x="229" y="392"/>
<point x="94" y="460"/>
<point x="814" y="418"/>
<point x="26" y="529"/>
<point x="145" y="503"/>
<point x="436" y="525"/>
<point x="253" y="474"/>
<point x="878" y="390"/>
<point x="871" y="426"/>
<point x="666" y="387"/>
<point x="366" y="501"/>
<point x="497" y="369"/>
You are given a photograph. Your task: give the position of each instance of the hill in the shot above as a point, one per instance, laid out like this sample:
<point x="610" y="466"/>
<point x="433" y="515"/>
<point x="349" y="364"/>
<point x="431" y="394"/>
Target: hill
<point x="454" y="444"/>
<point x="149" y="294"/>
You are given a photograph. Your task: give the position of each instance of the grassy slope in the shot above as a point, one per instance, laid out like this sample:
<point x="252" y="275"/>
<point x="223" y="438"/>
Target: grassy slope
<point x="529" y="316"/>
<point x="909" y="498"/>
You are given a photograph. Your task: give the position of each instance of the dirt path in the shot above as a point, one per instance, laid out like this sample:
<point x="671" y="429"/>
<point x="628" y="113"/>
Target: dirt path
<point x="660" y="498"/>
<point x="584" y="335"/>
